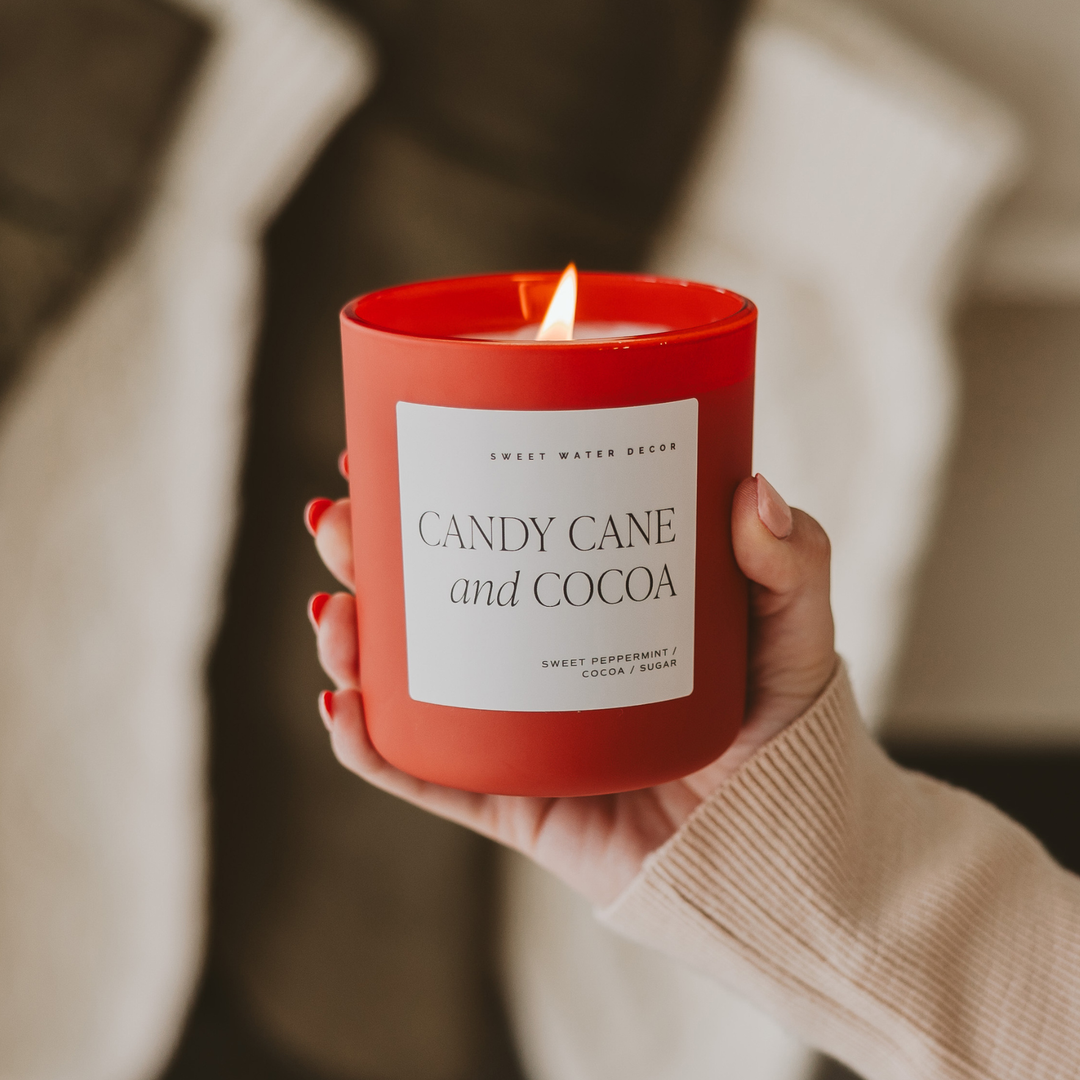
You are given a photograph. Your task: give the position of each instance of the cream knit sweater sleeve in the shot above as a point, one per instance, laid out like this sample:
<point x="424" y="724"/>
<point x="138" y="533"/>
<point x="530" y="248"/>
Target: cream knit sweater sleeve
<point x="903" y="926"/>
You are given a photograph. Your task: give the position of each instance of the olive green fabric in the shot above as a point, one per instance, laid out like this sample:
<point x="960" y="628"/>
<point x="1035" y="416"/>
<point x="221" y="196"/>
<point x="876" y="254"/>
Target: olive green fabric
<point x="88" y="93"/>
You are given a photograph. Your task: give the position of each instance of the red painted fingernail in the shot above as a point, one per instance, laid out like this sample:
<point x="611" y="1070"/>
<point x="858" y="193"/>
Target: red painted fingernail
<point x="775" y="514"/>
<point x="326" y="708"/>
<point x="343" y="463"/>
<point x="314" y="511"/>
<point x="315" y="607"/>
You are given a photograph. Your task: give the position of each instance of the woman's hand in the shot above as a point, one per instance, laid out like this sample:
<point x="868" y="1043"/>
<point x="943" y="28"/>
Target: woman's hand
<point x="597" y="844"/>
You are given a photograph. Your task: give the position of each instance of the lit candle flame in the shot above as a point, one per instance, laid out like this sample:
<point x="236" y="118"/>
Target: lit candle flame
<point x="558" y="324"/>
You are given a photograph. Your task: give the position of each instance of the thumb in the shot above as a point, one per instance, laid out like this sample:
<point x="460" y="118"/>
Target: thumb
<point x="785" y="554"/>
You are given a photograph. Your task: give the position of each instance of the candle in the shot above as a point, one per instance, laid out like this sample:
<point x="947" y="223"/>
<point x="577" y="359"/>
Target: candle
<point x="548" y="602"/>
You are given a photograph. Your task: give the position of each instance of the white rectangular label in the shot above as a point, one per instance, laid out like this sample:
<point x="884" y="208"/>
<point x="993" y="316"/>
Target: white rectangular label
<point x="549" y="556"/>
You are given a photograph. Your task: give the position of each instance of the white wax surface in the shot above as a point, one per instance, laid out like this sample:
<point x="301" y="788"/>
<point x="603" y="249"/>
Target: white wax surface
<point x="582" y="331"/>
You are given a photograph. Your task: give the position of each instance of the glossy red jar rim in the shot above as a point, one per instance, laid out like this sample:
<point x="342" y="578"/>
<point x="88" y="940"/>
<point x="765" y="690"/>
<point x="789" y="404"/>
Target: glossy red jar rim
<point x="449" y="310"/>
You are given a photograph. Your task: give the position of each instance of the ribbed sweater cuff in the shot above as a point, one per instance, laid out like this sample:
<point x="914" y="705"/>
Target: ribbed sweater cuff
<point x="903" y="926"/>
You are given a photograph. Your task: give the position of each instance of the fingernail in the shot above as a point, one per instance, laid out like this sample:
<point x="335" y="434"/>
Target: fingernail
<point x="775" y="514"/>
<point x="315" y="607"/>
<point x="343" y="463"/>
<point x="314" y="511"/>
<point x="326" y="708"/>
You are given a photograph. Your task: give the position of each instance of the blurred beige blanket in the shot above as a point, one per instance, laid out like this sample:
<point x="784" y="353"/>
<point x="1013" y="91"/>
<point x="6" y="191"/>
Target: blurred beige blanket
<point x="118" y="456"/>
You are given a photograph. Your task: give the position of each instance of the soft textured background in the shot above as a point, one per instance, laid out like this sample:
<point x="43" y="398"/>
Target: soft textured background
<point x="188" y="192"/>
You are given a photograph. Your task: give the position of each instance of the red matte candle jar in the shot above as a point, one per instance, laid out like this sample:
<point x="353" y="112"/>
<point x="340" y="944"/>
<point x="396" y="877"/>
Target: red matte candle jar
<point x="547" y="597"/>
